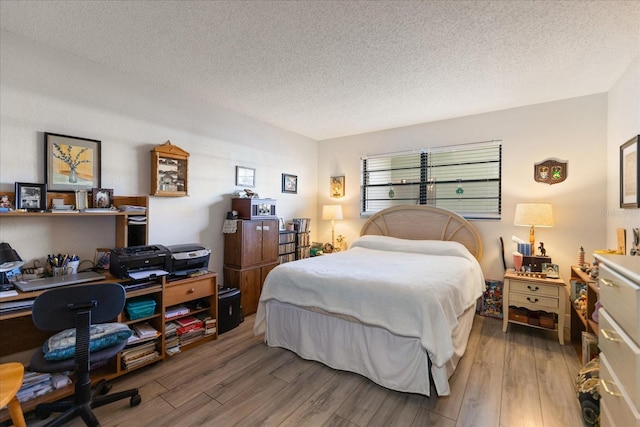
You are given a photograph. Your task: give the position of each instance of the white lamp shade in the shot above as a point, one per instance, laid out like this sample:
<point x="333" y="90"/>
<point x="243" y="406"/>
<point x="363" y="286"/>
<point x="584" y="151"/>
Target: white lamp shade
<point x="536" y="214"/>
<point x="331" y="212"/>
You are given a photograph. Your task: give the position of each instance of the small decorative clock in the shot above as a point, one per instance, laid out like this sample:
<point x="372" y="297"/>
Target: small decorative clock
<point x="169" y="171"/>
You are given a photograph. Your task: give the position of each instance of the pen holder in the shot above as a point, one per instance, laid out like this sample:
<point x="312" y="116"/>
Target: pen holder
<point x="72" y="267"/>
<point x="58" y="271"/>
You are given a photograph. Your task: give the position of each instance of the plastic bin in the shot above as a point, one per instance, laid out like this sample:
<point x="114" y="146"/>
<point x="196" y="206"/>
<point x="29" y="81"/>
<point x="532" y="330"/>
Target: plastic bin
<point x="140" y="307"/>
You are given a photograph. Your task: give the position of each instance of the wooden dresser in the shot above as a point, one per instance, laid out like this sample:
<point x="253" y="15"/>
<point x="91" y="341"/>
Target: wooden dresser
<point x="619" y="340"/>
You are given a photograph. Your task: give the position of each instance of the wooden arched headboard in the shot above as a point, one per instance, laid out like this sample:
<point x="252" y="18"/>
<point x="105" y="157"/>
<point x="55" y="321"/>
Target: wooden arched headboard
<point x="420" y="222"/>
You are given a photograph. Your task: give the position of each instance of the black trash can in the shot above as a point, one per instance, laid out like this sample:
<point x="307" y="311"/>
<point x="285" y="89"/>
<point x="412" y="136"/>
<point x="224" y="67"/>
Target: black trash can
<point x="229" y="310"/>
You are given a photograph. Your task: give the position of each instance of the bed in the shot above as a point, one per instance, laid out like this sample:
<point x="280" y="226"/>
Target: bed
<point x="397" y="307"/>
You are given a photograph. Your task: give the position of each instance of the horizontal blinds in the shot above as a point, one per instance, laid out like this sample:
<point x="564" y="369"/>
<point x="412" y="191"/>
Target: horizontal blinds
<point x="464" y="178"/>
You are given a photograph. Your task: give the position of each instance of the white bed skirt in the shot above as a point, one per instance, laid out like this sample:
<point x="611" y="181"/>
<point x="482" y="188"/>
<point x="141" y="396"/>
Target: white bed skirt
<point x="392" y="361"/>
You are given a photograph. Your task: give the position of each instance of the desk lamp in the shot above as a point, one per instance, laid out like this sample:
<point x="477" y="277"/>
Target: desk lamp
<point x="9" y="260"/>
<point x="533" y="215"/>
<point x="332" y="212"/>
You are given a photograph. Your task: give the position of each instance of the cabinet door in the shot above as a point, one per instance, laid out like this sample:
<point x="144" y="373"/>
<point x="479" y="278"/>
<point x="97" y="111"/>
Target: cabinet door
<point x="251" y="252"/>
<point x="270" y="239"/>
<point x="250" y="286"/>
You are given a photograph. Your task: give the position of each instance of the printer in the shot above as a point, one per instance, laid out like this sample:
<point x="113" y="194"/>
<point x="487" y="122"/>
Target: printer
<point x="188" y="258"/>
<point x="135" y="259"/>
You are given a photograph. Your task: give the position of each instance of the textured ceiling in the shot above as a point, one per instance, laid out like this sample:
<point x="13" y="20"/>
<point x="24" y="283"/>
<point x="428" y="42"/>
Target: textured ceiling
<point x="326" y="69"/>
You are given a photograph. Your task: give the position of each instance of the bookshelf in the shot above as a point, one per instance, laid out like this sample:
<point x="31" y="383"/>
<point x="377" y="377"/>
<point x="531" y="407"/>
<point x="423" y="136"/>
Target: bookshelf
<point x="303" y="241"/>
<point x="287" y="246"/>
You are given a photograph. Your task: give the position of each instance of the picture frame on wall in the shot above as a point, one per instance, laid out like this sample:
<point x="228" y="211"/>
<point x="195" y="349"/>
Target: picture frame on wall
<point x="245" y="177"/>
<point x="71" y="163"/>
<point x="336" y="186"/>
<point x="289" y="183"/>
<point x="629" y="174"/>
<point x="102" y="197"/>
<point x="82" y="200"/>
<point x="31" y="197"/>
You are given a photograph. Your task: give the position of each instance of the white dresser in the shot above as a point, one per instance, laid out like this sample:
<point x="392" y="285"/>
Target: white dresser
<point x="619" y="340"/>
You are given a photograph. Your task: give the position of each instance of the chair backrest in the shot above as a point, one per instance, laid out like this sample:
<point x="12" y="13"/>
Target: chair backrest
<point x="56" y="309"/>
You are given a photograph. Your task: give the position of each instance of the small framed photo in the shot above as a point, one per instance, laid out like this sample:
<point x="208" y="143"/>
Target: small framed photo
<point x="102" y="260"/>
<point x="630" y="174"/>
<point x="289" y="183"/>
<point x="82" y="200"/>
<point x="102" y="197"/>
<point x="551" y="270"/>
<point x="245" y="177"/>
<point x="32" y="197"/>
<point x="71" y="163"/>
<point x="337" y="186"/>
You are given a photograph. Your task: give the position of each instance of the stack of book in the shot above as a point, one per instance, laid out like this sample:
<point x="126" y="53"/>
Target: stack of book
<point x="189" y="329"/>
<point x="139" y="354"/>
<point x="175" y="311"/>
<point x="171" y="340"/>
<point x="208" y="322"/>
<point x="301" y="225"/>
<point x="36" y="384"/>
<point x="142" y="332"/>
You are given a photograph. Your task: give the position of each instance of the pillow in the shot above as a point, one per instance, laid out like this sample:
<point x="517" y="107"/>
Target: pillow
<point x="429" y="247"/>
<point x="61" y="346"/>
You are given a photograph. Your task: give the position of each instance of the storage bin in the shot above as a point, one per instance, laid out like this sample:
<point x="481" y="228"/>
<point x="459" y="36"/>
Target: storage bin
<point x="547" y="320"/>
<point x="534" y="318"/>
<point x="519" y="314"/>
<point x="140" y="307"/>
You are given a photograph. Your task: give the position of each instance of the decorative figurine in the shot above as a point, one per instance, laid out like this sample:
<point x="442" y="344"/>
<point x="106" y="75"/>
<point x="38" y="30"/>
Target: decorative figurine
<point x="543" y="251"/>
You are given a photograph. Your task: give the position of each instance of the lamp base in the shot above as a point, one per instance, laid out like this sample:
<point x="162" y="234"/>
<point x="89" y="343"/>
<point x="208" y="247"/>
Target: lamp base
<point x="5" y="285"/>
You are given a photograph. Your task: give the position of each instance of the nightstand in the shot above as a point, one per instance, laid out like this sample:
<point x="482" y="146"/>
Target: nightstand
<point x="533" y="301"/>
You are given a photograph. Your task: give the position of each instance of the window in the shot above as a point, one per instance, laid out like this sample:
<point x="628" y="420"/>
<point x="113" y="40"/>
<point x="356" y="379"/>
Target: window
<point x="463" y="178"/>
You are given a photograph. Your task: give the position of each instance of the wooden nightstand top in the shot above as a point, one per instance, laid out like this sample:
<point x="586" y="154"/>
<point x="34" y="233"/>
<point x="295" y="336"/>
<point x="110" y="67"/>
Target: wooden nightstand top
<point x="511" y="275"/>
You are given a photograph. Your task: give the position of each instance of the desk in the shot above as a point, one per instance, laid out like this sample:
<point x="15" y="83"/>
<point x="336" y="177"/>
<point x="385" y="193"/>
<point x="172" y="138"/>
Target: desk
<point x="19" y="338"/>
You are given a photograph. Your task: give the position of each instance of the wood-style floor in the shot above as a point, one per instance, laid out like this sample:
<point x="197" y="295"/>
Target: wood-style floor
<point x="522" y="378"/>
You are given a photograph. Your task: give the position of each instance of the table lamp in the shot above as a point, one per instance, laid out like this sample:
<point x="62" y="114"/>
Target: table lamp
<point x="332" y="212"/>
<point x="9" y="260"/>
<point x="533" y="215"/>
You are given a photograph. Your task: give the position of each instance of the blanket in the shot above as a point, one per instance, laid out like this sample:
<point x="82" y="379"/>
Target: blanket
<point x="411" y="288"/>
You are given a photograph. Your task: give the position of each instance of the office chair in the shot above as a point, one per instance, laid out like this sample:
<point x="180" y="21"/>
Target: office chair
<point x="79" y="307"/>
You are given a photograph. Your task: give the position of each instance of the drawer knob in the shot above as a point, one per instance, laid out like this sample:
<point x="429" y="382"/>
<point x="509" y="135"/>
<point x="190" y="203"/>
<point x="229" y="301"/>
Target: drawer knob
<point x="609" y="283"/>
<point x="606" y="388"/>
<point x="606" y="334"/>
<point x="535" y="300"/>
<point x="533" y="288"/>
<point x="190" y="291"/>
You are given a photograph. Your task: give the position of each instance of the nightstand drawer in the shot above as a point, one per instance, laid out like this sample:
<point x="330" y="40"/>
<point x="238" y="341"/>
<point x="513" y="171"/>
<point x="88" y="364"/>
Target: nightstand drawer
<point x="622" y="353"/>
<point x="622" y="298"/>
<point x="614" y="397"/>
<point x="533" y="301"/>
<point x="183" y="292"/>
<point x="535" y="288"/>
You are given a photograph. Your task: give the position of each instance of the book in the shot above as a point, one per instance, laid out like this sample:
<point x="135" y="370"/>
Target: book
<point x="175" y="311"/>
<point x="144" y="330"/>
<point x="186" y="321"/>
<point x="191" y="327"/>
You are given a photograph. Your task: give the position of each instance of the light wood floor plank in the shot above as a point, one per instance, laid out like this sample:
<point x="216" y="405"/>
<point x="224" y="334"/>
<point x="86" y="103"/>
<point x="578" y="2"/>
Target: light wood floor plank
<point x="363" y="403"/>
<point x="398" y="409"/>
<point x="428" y="418"/>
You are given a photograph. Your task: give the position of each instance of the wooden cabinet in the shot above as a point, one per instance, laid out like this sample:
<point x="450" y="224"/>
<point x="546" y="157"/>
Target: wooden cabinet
<point x="619" y="339"/>
<point x="249" y="254"/>
<point x="534" y="302"/>
<point x="169" y="171"/>
<point x="582" y="320"/>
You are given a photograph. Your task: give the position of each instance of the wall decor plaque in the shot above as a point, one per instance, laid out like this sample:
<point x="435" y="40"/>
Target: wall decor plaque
<point x="550" y="171"/>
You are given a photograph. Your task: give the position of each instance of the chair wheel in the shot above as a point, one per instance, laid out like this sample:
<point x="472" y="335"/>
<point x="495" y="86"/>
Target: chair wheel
<point x="106" y="389"/>
<point x="42" y="414"/>
<point x="135" y="400"/>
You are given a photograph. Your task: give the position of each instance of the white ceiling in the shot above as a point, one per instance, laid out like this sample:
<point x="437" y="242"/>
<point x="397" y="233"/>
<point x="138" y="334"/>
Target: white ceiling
<point x="326" y="69"/>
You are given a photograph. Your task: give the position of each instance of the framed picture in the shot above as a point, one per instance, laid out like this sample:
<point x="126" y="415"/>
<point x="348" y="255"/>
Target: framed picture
<point x="289" y="183"/>
<point x="245" y="177"/>
<point x="32" y="197"/>
<point x="337" y="186"/>
<point x="81" y="199"/>
<point x="71" y="163"/>
<point x="629" y="180"/>
<point x="102" y="260"/>
<point x="551" y="270"/>
<point x="102" y="197"/>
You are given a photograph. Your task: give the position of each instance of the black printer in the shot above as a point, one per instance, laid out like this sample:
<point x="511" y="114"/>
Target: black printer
<point x="124" y="261"/>
<point x="188" y="258"/>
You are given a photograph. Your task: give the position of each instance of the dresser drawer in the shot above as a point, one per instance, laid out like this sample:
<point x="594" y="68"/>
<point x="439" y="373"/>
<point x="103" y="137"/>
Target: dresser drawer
<point x="622" y="353"/>
<point x="533" y="301"/>
<point x="620" y="294"/>
<point x="183" y="292"/>
<point x="614" y="398"/>
<point x="534" y="288"/>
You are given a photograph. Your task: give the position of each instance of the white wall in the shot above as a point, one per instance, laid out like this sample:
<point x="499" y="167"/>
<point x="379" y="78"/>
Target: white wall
<point x="574" y="130"/>
<point x="44" y="90"/>
<point x="623" y="124"/>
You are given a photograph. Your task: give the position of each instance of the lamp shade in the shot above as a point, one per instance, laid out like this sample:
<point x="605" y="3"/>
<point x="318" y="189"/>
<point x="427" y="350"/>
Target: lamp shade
<point x="9" y="258"/>
<point x="331" y="212"/>
<point x="536" y="214"/>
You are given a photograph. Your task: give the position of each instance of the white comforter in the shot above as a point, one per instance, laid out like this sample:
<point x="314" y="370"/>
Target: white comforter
<point x="411" y="288"/>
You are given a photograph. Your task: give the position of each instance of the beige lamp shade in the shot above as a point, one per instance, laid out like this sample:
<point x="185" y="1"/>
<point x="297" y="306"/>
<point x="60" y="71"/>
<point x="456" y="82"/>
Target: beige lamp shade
<point x="536" y="214"/>
<point x="331" y="212"/>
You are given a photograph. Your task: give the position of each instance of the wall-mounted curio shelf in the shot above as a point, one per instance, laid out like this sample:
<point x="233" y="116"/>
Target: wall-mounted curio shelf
<point x="169" y="167"/>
